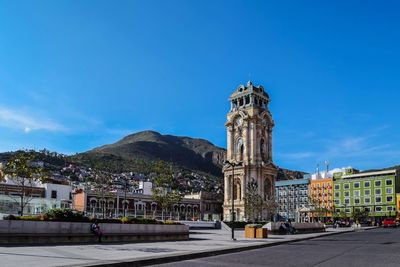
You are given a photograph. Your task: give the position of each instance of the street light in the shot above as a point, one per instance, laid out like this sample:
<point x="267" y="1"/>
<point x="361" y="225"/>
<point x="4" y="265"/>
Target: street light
<point x="233" y="165"/>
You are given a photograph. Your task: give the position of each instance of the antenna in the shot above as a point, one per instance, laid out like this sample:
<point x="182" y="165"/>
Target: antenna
<point x="327" y="167"/>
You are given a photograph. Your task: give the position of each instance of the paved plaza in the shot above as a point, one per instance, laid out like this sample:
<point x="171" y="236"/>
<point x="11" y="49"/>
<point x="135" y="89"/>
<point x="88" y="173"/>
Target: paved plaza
<point x="202" y="243"/>
<point x="377" y="247"/>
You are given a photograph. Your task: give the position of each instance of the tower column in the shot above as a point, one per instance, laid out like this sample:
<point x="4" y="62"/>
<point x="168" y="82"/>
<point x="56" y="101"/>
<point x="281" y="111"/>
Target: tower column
<point x="269" y="144"/>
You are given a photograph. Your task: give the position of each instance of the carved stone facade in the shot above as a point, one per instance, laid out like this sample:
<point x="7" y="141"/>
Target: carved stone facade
<point x="249" y="137"/>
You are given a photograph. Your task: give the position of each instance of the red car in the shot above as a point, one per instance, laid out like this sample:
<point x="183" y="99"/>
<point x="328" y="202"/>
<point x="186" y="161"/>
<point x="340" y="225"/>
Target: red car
<point x="388" y="222"/>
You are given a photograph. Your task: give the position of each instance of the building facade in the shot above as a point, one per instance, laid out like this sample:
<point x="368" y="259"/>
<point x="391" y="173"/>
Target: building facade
<point x="249" y="145"/>
<point x="292" y="197"/>
<point x="321" y="198"/>
<point x="201" y="206"/>
<point x="373" y="192"/>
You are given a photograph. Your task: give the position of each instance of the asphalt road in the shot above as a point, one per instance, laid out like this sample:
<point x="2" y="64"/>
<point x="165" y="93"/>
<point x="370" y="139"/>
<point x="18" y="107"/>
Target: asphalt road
<point x="378" y="247"/>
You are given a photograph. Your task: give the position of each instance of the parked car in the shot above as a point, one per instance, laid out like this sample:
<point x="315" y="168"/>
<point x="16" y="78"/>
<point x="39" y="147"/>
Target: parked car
<point x="389" y="222"/>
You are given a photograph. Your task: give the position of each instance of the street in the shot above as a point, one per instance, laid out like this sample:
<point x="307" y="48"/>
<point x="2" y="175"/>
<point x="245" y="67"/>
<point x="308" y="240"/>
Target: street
<point x="377" y="247"/>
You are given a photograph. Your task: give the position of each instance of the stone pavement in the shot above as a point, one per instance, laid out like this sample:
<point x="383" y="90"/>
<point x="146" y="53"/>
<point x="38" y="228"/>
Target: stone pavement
<point x="202" y="243"/>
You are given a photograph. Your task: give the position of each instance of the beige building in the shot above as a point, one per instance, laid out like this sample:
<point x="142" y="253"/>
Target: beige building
<point x="249" y="136"/>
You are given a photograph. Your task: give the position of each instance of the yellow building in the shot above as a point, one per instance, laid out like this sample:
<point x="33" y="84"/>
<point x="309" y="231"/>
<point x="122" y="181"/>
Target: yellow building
<point x="398" y="204"/>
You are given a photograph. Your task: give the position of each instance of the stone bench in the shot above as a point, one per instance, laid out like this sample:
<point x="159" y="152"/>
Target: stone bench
<point x="299" y="228"/>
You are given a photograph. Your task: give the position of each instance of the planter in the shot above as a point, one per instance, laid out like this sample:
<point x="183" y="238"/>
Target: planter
<point x="249" y="232"/>
<point x="261" y="232"/>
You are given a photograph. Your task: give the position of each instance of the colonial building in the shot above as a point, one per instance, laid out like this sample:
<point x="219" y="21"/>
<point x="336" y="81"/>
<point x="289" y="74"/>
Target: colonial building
<point x="201" y="206"/>
<point x="249" y="150"/>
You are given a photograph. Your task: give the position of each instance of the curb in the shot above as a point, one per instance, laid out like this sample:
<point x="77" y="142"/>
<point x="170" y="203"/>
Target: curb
<point x="197" y="255"/>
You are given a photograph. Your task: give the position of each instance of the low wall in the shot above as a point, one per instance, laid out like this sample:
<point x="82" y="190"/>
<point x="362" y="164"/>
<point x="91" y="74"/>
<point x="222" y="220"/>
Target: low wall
<point x="30" y="232"/>
<point x="299" y="228"/>
<point x="202" y="224"/>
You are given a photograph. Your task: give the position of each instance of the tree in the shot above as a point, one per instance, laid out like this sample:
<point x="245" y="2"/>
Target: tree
<point x="253" y="202"/>
<point x="23" y="172"/>
<point x="270" y="206"/>
<point x="360" y="216"/>
<point x="164" y="190"/>
<point x="101" y="183"/>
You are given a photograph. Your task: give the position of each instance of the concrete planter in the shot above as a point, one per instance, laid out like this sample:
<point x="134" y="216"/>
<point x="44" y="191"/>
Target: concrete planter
<point x="15" y="231"/>
<point x="261" y="233"/>
<point x="250" y="232"/>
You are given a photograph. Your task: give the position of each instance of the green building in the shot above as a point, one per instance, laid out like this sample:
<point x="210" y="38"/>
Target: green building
<point x="373" y="191"/>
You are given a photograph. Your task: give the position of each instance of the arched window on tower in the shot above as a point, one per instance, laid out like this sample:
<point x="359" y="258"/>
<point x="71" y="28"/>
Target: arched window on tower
<point x="239" y="150"/>
<point x="267" y="188"/>
<point x="263" y="149"/>
<point x="237" y="190"/>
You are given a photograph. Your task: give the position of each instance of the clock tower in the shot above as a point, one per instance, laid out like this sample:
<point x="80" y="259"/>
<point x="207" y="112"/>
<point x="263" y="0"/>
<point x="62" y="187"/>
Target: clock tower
<point x="249" y="150"/>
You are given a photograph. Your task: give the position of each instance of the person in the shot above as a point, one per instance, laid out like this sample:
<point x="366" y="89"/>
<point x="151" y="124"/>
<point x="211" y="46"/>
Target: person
<point x="282" y="229"/>
<point x="96" y="230"/>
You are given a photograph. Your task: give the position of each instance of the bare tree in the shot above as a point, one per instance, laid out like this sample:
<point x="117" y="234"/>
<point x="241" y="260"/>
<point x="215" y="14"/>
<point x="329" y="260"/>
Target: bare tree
<point x="253" y="202"/>
<point x="101" y="184"/>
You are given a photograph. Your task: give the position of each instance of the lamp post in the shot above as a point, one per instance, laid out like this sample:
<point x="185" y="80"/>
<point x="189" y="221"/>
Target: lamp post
<point x="233" y="165"/>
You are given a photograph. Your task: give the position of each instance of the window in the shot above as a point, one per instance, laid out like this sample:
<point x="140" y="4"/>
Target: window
<point x="389" y="182"/>
<point x="347" y="210"/>
<point x="389" y="190"/>
<point x="337" y="186"/>
<point x="378" y="199"/>
<point x="356" y="201"/>
<point x="346" y="186"/>
<point x="356" y="193"/>
<point x="390" y="208"/>
<point x="377" y="183"/>
<point x="367" y="200"/>
<point x="378" y="209"/>
<point x="367" y="184"/>
<point x="347" y="194"/>
<point x="367" y="192"/>
<point x="357" y="185"/>
<point x="337" y="202"/>
<point x="53" y="194"/>
<point x="389" y="199"/>
<point x="337" y="210"/>
<point x="378" y="191"/>
<point x="347" y="201"/>
<point x="337" y="194"/>
<point x="367" y="209"/>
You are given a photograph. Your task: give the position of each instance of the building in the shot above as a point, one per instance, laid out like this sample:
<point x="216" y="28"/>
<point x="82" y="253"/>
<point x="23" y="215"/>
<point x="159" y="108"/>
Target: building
<point x="201" y="206"/>
<point x="321" y="198"/>
<point x="398" y="204"/>
<point x="38" y="198"/>
<point x="292" y="197"/>
<point x="249" y="149"/>
<point x="373" y="192"/>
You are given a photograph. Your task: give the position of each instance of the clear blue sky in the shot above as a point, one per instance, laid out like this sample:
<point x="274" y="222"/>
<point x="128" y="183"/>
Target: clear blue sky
<point x="78" y="74"/>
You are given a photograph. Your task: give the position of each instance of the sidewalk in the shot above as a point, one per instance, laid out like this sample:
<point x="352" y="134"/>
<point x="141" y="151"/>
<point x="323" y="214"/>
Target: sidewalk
<point x="202" y="243"/>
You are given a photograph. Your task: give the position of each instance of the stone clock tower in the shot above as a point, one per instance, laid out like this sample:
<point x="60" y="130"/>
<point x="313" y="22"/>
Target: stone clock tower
<point x="249" y="135"/>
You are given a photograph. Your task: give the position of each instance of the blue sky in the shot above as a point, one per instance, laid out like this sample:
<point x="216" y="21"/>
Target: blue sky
<point x="79" y="74"/>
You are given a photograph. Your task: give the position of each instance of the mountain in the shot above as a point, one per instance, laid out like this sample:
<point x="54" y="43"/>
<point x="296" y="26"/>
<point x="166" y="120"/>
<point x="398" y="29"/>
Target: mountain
<point x="139" y="149"/>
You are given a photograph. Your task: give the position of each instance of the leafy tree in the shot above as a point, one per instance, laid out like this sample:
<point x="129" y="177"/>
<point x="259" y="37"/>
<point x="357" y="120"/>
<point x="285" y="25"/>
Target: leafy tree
<point x="253" y="202"/>
<point x="164" y="190"/>
<point x="360" y="216"/>
<point x="22" y="171"/>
